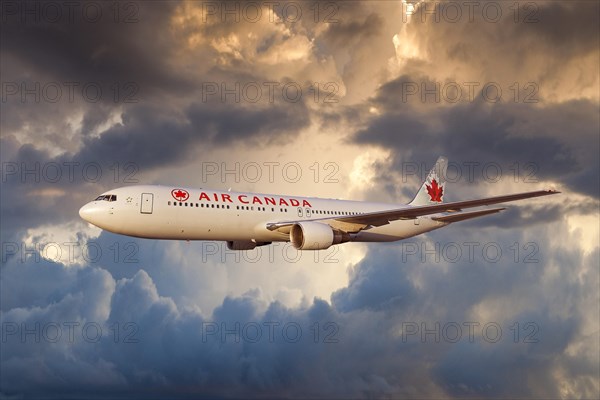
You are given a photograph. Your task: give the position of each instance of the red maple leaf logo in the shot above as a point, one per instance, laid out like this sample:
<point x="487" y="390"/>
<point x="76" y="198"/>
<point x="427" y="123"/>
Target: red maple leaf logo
<point x="435" y="192"/>
<point x="180" y="194"/>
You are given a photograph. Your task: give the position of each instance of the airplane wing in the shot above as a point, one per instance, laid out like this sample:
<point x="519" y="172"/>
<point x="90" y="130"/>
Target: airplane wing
<point x="462" y="216"/>
<point x="355" y="223"/>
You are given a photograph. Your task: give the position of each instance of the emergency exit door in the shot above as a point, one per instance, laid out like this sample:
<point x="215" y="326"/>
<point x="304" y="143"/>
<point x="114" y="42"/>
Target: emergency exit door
<point x="147" y="199"/>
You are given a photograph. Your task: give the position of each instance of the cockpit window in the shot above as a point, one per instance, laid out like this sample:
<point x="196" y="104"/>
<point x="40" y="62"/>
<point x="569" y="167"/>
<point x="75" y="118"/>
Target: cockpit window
<point x="107" y="197"/>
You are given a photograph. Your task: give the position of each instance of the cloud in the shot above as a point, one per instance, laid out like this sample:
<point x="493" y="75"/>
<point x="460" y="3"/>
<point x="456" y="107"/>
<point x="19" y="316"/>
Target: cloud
<point x="496" y="43"/>
<point x="375" y="287"/>
<point x="247" y="345"/>
<point x="498" y="133"/>
<point x="108" y="49"/>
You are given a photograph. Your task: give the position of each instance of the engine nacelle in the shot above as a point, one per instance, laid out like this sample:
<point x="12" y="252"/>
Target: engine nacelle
<point x="244" y="244"/>
<point x="315" y="236"/>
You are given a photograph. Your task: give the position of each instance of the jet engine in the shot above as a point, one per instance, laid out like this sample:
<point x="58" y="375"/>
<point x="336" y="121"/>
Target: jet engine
<point x="316" y="236"/>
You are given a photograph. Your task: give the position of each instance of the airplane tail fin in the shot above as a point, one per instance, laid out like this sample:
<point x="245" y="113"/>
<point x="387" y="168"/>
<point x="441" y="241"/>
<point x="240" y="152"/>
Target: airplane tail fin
<point x="434" y="187"/>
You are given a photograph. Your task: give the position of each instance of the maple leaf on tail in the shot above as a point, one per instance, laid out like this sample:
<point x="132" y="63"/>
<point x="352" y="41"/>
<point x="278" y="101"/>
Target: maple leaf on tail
<point x="435" y="192"/>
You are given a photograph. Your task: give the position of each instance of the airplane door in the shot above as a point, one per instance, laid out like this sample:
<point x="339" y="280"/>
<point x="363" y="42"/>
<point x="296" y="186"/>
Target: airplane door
<point x="308" y="212"/>
<point x="147" y="200"/>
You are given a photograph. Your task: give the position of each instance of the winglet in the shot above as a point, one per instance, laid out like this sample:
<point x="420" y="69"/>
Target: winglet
<point x="434" y="187"/>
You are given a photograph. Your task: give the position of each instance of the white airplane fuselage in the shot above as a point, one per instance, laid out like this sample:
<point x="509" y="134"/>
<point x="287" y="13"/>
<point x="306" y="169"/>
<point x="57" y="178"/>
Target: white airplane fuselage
<point x="152" y="211"/>
<point x="247" y="220"/>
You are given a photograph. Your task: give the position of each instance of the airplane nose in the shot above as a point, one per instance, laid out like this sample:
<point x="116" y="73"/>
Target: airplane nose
<point x="84" y="212"/>
<point x="88" y="212"/>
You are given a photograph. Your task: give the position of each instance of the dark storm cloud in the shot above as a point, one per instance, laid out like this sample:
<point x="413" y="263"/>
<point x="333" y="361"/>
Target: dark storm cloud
<point x="554" y="30"/>
<point x="128" y="46"/>
<point x="347" y="32"/>
<point x="557" y="32"/>
<point x="526" y="215"/>
<point x="165" y="119"/>
<point x="26" y="174"/>
<point x="239" y="123"/>
<point x="481" y="132"/>
<point x="140" y="48"/>
<point x="465" y="285"/>
<point x="376" y="287"/>
<point x="178" y="348"/>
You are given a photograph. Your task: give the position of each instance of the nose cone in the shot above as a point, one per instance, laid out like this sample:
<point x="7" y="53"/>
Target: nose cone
<point x="90" y="213"/>
<point x="84" y="212"/>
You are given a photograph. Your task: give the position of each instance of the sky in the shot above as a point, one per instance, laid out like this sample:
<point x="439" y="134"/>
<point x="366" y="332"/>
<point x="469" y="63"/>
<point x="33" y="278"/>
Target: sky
<point x="337" y="99"/>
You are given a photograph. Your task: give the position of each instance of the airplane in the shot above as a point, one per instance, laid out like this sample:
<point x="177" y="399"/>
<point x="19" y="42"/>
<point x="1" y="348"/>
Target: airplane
<point x="248" y="220"/>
